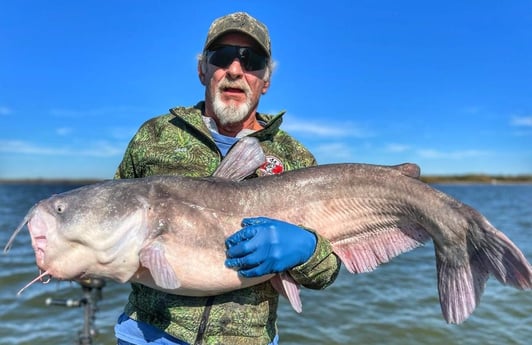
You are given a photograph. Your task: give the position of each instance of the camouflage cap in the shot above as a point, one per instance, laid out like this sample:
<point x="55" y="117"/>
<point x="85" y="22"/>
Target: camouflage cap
<point x="240" y="22"/>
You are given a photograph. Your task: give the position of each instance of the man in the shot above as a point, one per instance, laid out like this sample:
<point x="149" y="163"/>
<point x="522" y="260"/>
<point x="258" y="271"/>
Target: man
<point x="235" y="67"/>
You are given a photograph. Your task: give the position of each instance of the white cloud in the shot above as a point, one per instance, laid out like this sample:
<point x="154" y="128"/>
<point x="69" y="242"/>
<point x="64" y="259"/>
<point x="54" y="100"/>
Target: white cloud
<point x="97" y="149"/>
<point x="5" y="110"/>
<point x="103" y="149"/>
<point x="473" y="109"/>
<point x="122" y="133"/>
<point x="523" y="121"/>
<point x="333" y="152"/>
<point x="398" y="148"/>
<point x="315" y="129"/>
<point x="430" y="153"/>
<point x="323" y="128"/>
<point x="63" y="131"/>
<point x="95" y="112"/>
<point x="18" y="146"/>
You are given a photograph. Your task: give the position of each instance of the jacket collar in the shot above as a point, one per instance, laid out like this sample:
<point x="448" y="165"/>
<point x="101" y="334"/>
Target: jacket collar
<point x="193" y="118"/>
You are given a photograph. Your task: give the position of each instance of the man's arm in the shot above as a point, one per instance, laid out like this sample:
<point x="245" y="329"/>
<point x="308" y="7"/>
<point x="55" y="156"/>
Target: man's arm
<point x="265" y="246"/>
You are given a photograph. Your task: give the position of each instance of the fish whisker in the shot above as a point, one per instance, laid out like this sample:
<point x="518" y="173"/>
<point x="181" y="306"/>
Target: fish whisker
<point x="18" y="229"/>
<point x="40" y="277"/>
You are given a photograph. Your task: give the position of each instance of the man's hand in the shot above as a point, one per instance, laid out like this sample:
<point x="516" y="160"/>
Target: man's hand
<point x="265" y="246"/>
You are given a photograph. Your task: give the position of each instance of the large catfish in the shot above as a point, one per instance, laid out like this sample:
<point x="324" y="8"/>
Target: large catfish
<point x="168" y="232"/>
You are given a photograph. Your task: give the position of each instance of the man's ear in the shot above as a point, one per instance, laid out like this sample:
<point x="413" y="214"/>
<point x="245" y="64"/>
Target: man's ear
<point x="201" y="72"/>
<point x="265" y="87"/>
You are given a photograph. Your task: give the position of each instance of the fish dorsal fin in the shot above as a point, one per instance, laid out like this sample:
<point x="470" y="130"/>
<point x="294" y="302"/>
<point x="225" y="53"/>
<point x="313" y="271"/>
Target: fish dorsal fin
<point x="408" y="169"/>
<point x="152" y="257"/>
<point x="243" y="159"/>
<point x="289" y="288"/>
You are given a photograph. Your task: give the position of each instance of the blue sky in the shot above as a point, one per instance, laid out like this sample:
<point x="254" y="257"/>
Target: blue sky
<point x="445" y="84"/>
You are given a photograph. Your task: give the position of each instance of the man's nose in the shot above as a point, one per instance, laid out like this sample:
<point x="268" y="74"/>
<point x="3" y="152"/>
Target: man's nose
<point x="235" y="69"/>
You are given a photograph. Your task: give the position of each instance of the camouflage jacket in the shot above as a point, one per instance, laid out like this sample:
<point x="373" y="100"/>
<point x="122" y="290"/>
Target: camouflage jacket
<point x="179" y="143"/>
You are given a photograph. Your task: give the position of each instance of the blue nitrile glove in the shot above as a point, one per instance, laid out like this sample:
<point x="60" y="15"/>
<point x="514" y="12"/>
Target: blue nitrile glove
<point x="265" y="246"/>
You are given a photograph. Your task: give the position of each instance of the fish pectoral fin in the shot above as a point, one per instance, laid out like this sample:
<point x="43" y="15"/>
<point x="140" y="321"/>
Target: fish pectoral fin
<point x="289" y="288"/>
<point x="243" y="159"/>
<point x="377" y="246"/>
<point x="152" y="257"/>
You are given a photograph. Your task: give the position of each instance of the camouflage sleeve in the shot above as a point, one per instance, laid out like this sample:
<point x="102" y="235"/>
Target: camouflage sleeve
<point x="321" y="269"/>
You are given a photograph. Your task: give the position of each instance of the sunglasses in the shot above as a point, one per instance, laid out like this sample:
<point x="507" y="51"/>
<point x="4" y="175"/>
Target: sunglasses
<point x="223" y="56"/>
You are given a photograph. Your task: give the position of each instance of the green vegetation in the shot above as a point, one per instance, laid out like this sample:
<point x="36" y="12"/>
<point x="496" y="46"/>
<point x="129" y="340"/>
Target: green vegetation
<point x="477" y="178"/>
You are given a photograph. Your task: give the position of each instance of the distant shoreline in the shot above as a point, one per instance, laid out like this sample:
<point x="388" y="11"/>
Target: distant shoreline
<point x="431" y="179"/>
<point x="62" y="181"/>
<point x="478" y="179"/>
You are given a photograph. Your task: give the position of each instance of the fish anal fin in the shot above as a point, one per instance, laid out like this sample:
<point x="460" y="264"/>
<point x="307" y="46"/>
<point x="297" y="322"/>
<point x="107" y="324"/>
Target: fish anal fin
<point x="152" y="257"/>
<point x="289" y="288"/>
<point x="364" y="253"/>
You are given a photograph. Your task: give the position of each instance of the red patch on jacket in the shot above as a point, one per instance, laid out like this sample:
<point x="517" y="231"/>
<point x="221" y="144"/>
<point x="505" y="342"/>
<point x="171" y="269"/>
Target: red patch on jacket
<point x="272" y="166"/>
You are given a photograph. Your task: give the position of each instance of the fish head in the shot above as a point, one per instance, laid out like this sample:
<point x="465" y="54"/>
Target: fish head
<point x="89" y="232"/>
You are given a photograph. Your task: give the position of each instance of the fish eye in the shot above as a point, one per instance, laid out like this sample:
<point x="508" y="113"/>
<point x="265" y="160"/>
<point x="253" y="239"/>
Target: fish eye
<point x="60" y="207"/>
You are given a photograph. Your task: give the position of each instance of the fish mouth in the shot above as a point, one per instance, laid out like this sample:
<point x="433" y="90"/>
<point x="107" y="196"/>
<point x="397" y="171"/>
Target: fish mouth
<point x="38" y="229"/>
<point x="39" y="241"/>
<point x="39" y="256"/>
<point x="48" y="256"/>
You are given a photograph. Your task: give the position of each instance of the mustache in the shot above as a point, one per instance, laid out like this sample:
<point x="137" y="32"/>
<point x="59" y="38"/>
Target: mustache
<point x="234" y="84"/>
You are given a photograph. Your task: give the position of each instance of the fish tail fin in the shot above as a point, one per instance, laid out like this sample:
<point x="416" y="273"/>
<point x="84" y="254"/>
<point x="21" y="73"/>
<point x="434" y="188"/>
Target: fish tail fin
<point x="505" y="261"/>
<point x="460" y="288"/>
<point x="491" y="252"/>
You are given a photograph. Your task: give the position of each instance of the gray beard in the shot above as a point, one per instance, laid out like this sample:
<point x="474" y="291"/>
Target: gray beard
<point x="230" y="113"/>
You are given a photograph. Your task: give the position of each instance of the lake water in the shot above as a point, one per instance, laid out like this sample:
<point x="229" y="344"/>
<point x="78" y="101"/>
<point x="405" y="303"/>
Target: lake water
<point x="396" y="304"/>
